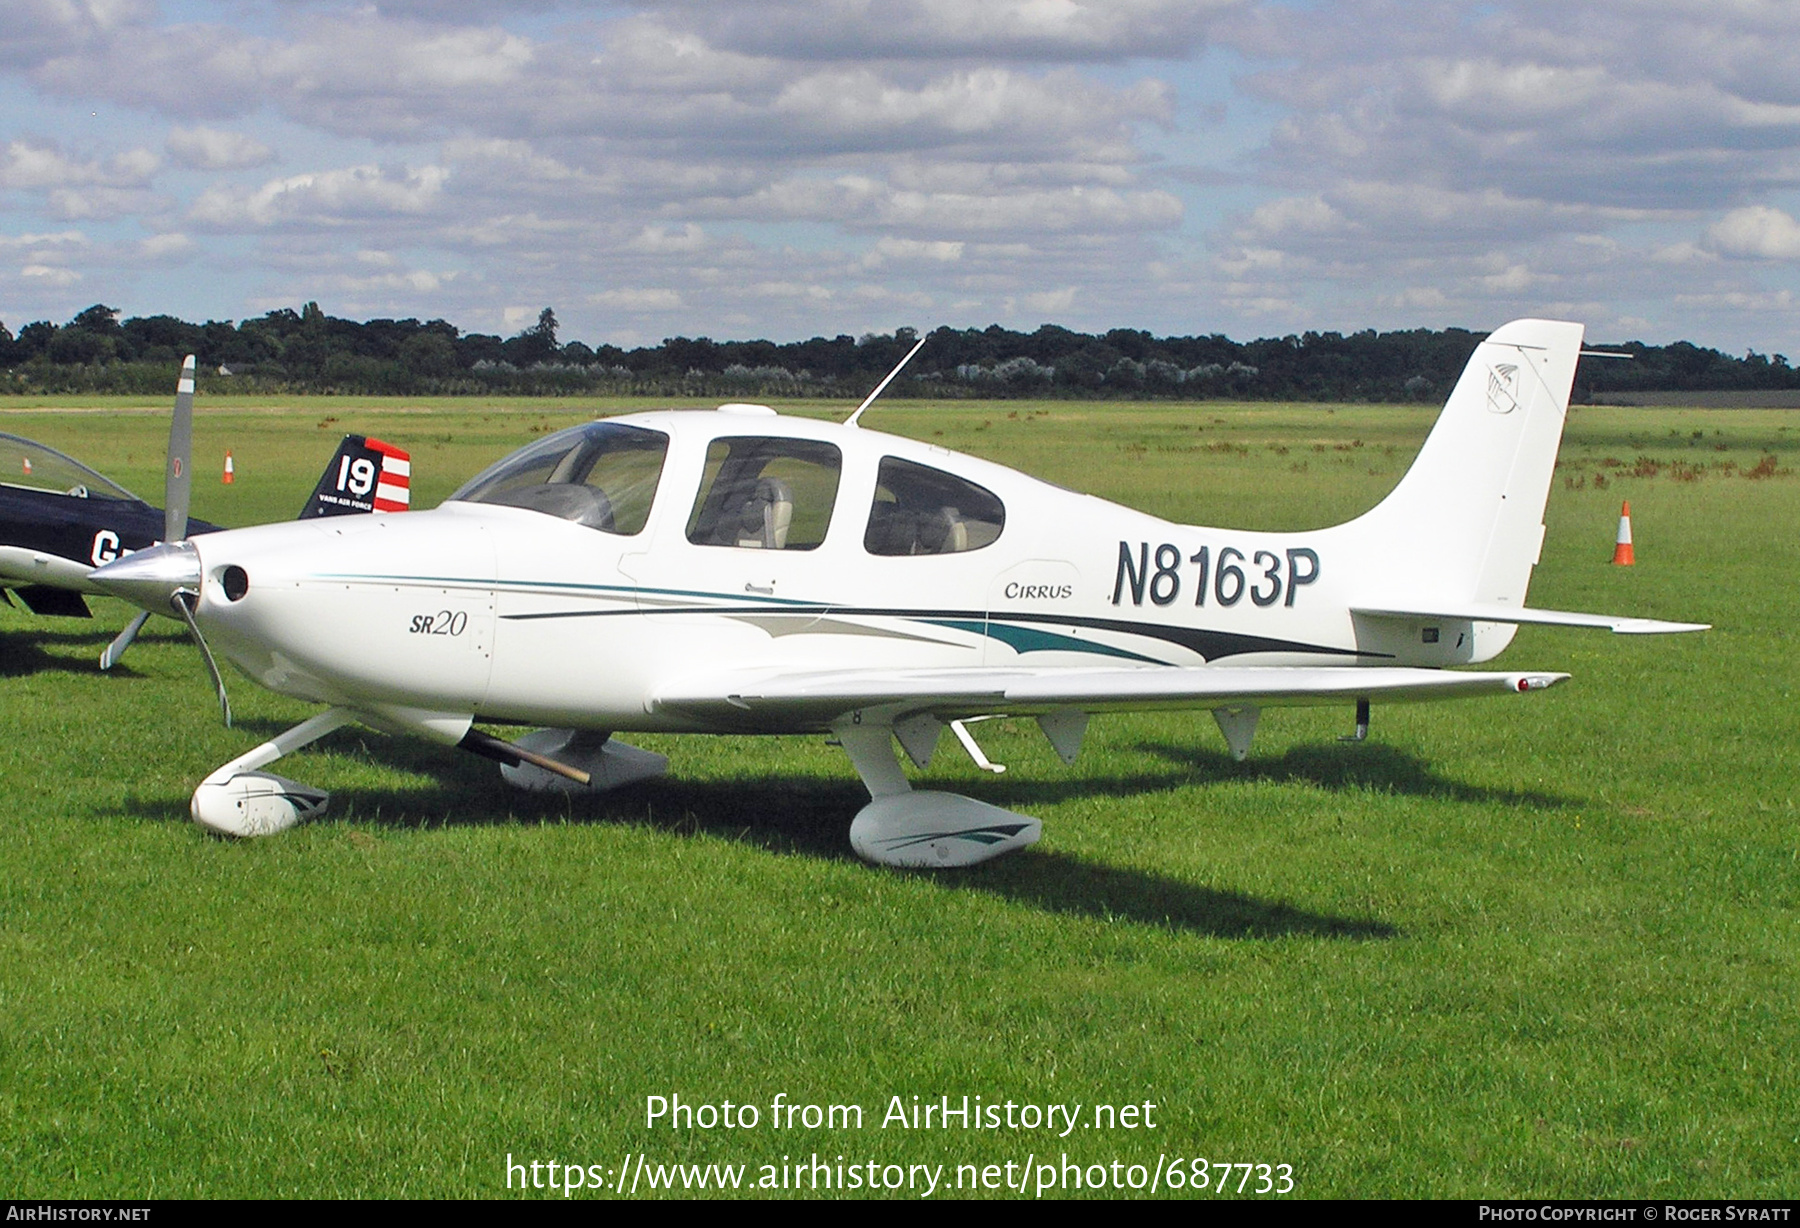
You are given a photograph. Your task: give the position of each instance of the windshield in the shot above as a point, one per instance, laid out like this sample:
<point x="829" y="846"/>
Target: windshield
<point x="602" y="475"/>
<point x="36" y="467"/>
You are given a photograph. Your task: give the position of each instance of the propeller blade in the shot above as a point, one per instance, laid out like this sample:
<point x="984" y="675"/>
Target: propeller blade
<point x="178" y="479"/>
<point x="117" y="648"/>
<point x="177" y="484"/>
<point x="184" y="601"/>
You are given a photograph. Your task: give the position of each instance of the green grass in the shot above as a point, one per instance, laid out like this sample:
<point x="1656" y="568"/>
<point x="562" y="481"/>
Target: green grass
<point x="1513" y="948"/>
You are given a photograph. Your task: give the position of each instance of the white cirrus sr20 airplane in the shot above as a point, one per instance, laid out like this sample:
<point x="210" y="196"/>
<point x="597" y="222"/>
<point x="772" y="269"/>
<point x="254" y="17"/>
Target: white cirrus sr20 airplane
<point x="736" y="571"/>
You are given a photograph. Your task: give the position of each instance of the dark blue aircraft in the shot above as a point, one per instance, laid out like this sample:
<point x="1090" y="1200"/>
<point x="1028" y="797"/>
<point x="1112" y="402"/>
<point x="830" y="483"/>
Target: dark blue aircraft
<point x="60" y="519"/>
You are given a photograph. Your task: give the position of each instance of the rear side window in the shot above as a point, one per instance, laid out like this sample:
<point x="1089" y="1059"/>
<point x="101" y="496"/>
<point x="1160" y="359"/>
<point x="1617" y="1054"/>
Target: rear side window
<point x="921" y="510"/>
<point x="765" y="494"/>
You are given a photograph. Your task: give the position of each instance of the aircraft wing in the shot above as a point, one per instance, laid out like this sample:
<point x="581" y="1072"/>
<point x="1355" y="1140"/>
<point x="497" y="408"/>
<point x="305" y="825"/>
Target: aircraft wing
<point x="802" y="699"/>
<point x="1489" y="612"/>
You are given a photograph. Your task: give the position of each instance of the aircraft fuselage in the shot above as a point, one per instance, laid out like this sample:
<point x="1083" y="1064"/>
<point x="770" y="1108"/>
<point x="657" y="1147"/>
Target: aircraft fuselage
<point x="517" y="615"/>
<point x="57" y="539"/>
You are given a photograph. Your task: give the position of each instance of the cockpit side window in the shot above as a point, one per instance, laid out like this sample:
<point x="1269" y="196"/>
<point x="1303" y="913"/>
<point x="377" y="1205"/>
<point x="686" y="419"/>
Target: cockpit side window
<point x="39" y="468"/>
<point x="921" y="510"/>
<point x="765" y="494"/>
<point x="602" y="475"/>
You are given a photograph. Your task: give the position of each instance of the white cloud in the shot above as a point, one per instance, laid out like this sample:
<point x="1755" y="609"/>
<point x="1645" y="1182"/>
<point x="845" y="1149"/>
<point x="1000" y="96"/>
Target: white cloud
<point x="1090" y="210"/>
<point x="1757" y="232"/>
<point x="355" y="71"/>
<point x="890" y="248"/>
<point x="165" y="247"/>
<point x="213" y="149"/>
<point x="1769" y="301"/>
<point x="51" y="274"/>
<point x="1428" y="298"/>
<point x="646" y="153"/>
<point x="928" y="29"/>
<point x="1051" y="302"/>
<point x="1292" y="215"/>
<point x="1681" y="253"/>
<point x="323" y="197"/>
<point x="645" y="298"/>
<point x="661" y="241"/>
<point x="409" y="282"/>
<point x="810" y="291"/>
<point x="34" y="30"/>
<point x="863" y="105"/>
<point x="72" y="188"/>
<point x="58" y="239"/>
<point x="101" y="203"/>
<point x="1510" y="280"/>
<point x="30" y="165"/>
<point x="1553" y="106"/>
<point x="795" y="166"/>
<point x="865" y="203"/>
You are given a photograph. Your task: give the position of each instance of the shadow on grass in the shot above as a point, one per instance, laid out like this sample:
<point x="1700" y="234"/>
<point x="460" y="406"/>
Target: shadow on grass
<point x="1368" y="766"/>
<point x="806" y="816"/>
<point x="25" y="651"/>
<point x="1059" y="883"/>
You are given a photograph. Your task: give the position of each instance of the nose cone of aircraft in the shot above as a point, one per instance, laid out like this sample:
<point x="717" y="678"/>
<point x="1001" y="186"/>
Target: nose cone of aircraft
<point x="150" y="578"/>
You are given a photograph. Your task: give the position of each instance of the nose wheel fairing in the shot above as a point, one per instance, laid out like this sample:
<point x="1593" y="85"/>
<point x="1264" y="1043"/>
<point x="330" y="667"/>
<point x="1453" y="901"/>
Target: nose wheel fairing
<point x="238" y="800"/>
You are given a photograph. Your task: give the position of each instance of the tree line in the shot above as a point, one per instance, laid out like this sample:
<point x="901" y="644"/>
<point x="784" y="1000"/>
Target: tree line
<point x="308" y="351"/>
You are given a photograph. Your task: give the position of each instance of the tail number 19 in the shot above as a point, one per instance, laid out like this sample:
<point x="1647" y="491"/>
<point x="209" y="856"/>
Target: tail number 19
<point x="1263" y="575"/>
<point x="356" y="476"/>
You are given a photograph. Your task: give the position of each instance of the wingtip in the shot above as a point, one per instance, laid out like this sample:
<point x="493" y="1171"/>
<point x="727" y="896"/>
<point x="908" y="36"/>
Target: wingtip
<point x="1653" y="626"/>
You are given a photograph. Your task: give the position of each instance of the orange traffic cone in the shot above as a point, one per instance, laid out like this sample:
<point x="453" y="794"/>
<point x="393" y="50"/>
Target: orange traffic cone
<point x="1622" y="556"/>
<point x="228" y="479"/>
<point x="27" y="461"/>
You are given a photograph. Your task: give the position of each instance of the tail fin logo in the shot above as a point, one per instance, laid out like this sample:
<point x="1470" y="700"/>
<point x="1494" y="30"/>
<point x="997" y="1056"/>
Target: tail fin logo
<point x="1503" y="388"/>
<point x="366" y="475"/>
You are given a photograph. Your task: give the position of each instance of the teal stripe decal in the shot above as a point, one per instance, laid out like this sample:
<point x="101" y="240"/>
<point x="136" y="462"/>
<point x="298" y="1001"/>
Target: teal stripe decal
<point x="1029" y="639"/>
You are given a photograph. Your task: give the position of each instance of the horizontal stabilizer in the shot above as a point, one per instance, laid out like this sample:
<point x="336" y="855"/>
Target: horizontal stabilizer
<point x="802" y="699"/>
<point x="56" y="602"/>
<point x="1487" y="612"/>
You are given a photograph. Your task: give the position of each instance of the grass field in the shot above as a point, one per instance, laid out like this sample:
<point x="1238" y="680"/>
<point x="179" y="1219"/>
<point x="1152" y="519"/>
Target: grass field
<point x="1516" y="948"/>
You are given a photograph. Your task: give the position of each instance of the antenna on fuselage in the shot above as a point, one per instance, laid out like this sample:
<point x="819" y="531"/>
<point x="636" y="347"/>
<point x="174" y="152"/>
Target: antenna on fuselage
<point x="851" y="420"/>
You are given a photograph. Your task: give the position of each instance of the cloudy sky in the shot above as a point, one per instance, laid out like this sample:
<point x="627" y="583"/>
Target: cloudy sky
<point x="785" y="168"/>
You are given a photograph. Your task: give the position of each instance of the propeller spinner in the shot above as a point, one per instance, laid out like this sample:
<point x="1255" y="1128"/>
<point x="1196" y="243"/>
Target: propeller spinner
<point x="164" y="578"/>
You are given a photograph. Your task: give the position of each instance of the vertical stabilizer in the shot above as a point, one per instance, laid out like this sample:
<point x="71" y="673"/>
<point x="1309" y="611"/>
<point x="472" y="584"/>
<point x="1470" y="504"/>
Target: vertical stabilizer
<point x="365" y="475"/>
<point x="1466" y="522"/>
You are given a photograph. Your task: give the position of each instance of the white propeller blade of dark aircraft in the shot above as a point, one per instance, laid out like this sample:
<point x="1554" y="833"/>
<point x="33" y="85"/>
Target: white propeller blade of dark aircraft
<point x="122" y="641"/>
<point x="178" y="479"/>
